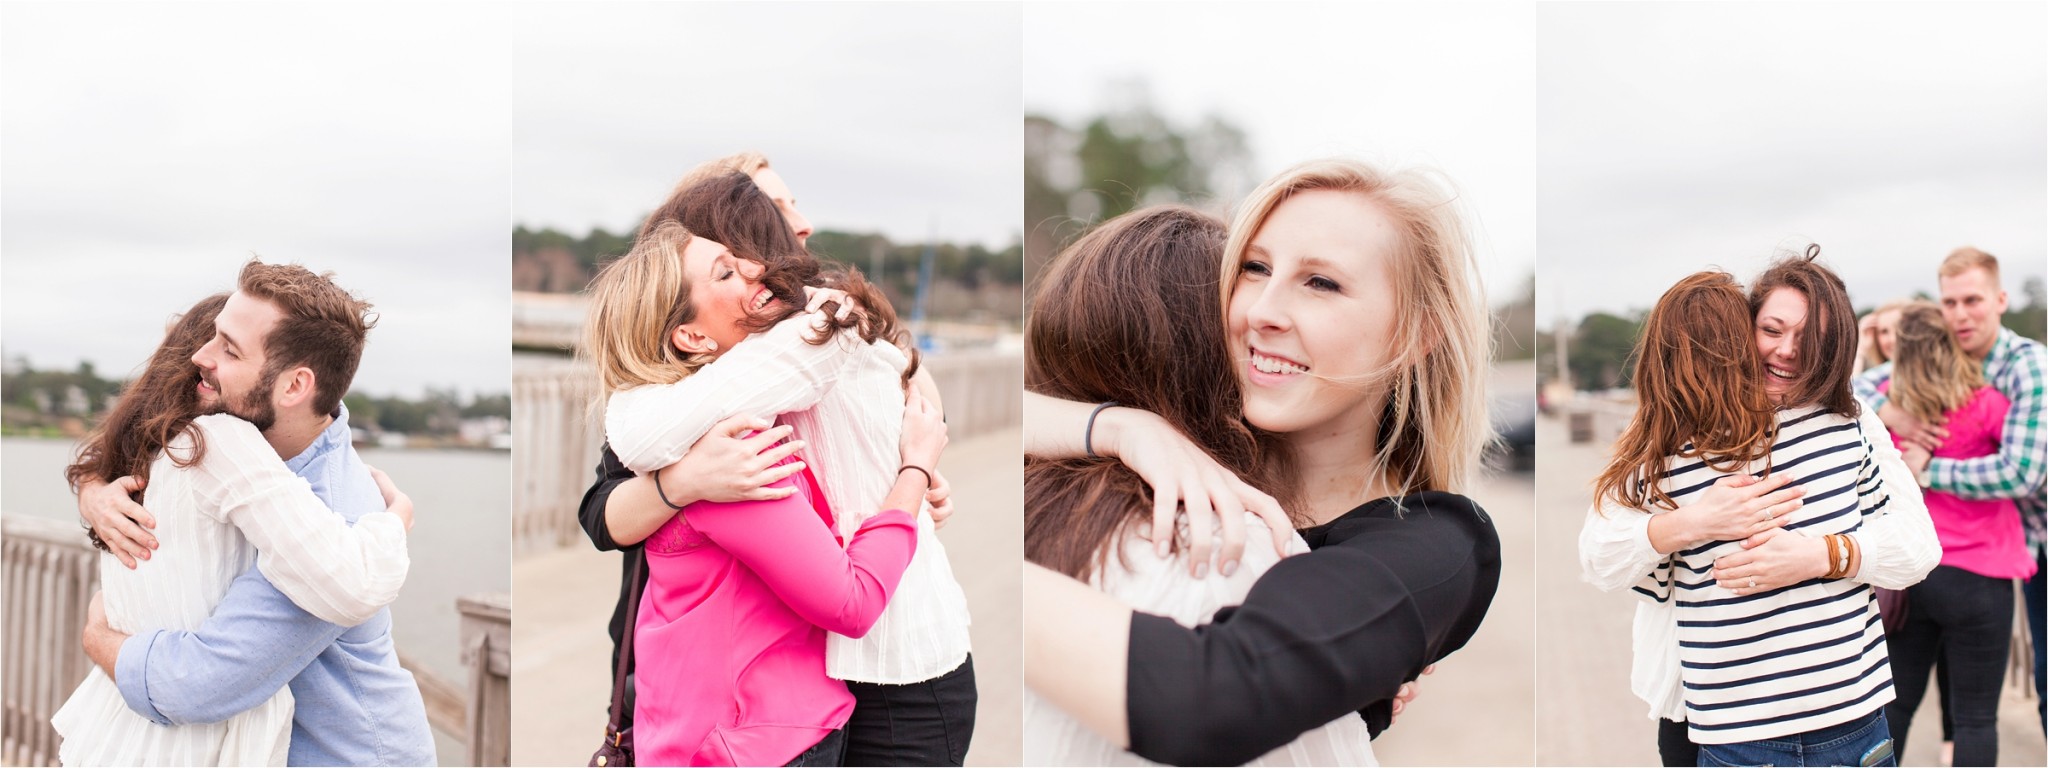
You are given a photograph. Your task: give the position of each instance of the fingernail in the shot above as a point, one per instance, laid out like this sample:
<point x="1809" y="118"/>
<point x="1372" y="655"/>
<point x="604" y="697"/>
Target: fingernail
<point x="1230" y="568"/>
<point x="1160" y="547"/>
<point x="1201" y="570"/>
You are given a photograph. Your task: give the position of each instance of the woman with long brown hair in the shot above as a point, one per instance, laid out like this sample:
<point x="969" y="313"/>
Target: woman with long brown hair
<point x="675" y="350"/>
<point x="1372" y="420"/>
<point x="1962" y="612"/>
<point x="223" y="500"/>
<point x="1770" y="642"/>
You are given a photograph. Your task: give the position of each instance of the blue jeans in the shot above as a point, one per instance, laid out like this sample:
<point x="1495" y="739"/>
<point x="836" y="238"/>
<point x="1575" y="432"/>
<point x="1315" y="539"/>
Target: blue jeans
<point x="1864" y="741"/>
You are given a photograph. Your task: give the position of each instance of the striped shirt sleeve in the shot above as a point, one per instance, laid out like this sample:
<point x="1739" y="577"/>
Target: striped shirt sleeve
<point x="339" y="573"/>
<point x="2019" y="466"/>
<point x="773" y="372"/>
<point x="1896" y="536"/>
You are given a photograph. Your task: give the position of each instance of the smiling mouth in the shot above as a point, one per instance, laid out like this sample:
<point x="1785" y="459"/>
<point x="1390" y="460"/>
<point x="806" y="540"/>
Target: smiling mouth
<point x="1265" y="363"/>
<point x="762" y="299"/>
<point x="1781" y="373"/>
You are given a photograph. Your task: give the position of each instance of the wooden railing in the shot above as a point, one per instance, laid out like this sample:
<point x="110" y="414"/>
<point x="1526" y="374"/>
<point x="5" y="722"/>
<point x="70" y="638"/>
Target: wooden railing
<point x="559" y="434"/>
<point x="49" y="572"/>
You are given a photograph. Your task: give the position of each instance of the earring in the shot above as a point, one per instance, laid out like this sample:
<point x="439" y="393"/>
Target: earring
<point x="710" y="345"/>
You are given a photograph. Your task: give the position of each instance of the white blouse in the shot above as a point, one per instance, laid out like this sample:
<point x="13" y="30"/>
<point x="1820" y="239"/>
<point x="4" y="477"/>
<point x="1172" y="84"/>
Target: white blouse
<point x="1615" y="551"/>
<point x="236" y="506"/>
<point x="845" y="400"/>
<point x="1152" y="584"/>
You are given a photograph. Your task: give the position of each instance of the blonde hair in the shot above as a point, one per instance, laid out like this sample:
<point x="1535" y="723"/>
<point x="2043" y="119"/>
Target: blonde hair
<point x="1931" y="374"/>
<point x="634" y="301"/>
<point x="1874" y="356"/>
<point x="1434" y="425"/>
<point x="1967" y="258"/>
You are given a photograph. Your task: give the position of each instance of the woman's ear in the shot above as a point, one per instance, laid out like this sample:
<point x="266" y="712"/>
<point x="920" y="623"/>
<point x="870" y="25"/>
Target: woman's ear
<point x="690" y="342"/>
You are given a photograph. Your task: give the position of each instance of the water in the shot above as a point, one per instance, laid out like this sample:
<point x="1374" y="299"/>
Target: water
<point x="460" y="541"/>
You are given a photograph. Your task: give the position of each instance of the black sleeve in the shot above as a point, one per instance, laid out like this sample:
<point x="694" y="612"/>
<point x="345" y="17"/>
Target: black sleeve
<point x="1319" y="636"/>
<point x="610" y="473"/>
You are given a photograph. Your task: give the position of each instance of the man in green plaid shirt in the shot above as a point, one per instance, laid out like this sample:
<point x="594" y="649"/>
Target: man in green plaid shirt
<point x="1972" y="302"/>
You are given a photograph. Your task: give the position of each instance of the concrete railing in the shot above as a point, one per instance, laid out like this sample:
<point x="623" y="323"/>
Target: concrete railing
<point x="48" y="572"/>
<point x="559" y="435"/>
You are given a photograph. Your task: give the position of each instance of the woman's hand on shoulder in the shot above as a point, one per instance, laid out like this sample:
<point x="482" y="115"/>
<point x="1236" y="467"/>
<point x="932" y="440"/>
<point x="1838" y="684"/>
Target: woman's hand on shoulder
<point x="728" y="464"/>
<point x="395" y="501"/>
<point x="1185" y="477"/>
<point x="924" y="432"/>
<point x="816" y="298"/>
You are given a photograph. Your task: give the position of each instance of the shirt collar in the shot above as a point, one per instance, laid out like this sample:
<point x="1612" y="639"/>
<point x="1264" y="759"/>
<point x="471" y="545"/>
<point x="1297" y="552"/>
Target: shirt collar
<point x="335" y="436"/>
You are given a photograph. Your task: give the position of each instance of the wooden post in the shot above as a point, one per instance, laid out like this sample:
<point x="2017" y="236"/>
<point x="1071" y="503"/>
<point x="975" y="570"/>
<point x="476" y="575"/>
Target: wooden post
<point x="487" y="653"/>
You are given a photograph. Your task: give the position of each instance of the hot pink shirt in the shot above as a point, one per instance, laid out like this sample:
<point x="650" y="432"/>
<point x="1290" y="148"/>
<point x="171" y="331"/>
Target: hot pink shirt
<point x="1982" y="536"/>
<point x="730" y="643"/>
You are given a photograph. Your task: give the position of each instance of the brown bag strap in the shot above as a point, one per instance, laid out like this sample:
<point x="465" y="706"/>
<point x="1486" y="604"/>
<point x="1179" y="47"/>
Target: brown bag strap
<point x="626" y="643"/>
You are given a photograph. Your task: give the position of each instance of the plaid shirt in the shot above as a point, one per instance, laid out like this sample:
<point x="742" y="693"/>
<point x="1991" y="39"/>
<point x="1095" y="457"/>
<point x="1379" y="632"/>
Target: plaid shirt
<point x="2018" y="368"/>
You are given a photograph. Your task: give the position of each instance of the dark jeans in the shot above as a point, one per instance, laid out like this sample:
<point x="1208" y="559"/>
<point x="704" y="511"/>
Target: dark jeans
<point x="1966" y="620"/>
<point x="1674" y="744"/>
<point x="1863" y="741"/>
<point x="926" y="723"/>
<point x="827" y="751"/>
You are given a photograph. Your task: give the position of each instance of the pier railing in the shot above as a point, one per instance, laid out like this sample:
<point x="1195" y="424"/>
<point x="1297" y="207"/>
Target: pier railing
<point x="559" y="435"/>
<point x="48" y="573"/>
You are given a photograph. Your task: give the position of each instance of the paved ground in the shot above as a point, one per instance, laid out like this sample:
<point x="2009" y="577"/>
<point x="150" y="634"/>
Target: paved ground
<point x="561" y="653"/>
<point x="1479" y="706"/>
<point x="1587" y="715"/>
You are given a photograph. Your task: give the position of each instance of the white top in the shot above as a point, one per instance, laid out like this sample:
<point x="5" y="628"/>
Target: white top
<point x="236" y="506"/>
<point x="845" y="400"/>
<point x="1615" y="551"/>
<point x="1152" y="584"/>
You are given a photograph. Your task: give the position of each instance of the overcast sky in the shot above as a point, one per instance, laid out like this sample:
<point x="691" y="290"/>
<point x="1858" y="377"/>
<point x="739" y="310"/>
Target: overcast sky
<point x="1451" y="87"/>
<point x="151" y="149"/>
<point x="900" y="118"/>
<point x="1677" y="136"/>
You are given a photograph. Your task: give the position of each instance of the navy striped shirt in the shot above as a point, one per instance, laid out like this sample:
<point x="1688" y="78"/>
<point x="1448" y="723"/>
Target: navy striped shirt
<point x="1795" y="658"/>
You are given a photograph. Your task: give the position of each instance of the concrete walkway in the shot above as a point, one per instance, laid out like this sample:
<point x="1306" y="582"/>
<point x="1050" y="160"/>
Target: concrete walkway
<point x="561" y="653"/>
<point x="1588" y="716"/>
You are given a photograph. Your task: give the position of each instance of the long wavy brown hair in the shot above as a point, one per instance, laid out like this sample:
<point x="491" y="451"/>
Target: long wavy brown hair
<point x="1931" y="374"/>
<point x="158" y="405"/>
<point x="1699" y="392"/>
<point x="1130" y="313"/>
<point x="637" y="298"/>
<point x="1827" y="342"/>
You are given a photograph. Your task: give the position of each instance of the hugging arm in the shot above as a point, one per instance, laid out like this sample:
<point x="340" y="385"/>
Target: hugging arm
<point x="1294" y="656"/>
<point x="339" y="573"/>
<point x="255" y="642"/>
<point x="2020" y="465"/>
<point x="1896" y="541"/>
<point x="788" y="545"/>
<point x="773" y="372"/>
<point x="1179" y="472"/>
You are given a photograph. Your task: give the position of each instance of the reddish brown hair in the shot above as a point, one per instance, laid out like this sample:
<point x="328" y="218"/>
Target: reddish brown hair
<point x="1827" y="342"/>
<point x="160" y="403"/>
<point x="1130" y="312"/>
<point x="323" y="327"/>
<point x="731" y="210"/>
<point x="1698" y="380"/>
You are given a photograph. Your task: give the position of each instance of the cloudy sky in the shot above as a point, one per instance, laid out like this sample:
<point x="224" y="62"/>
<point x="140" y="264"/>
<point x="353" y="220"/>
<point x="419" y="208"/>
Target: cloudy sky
<point x="1678" y="136"/>
<point x="1451" y="87"/>
<point x="151" y="149"/>
<point x="894" y="117"/>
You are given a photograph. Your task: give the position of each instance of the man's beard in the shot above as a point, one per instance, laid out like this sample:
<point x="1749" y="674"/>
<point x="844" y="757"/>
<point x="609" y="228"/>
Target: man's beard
<point x="254" y="407"/>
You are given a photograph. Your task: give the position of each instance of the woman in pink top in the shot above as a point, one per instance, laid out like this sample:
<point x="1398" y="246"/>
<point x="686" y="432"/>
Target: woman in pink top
<point x="730" y="636"/>
<point x="1962" y="612"/>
